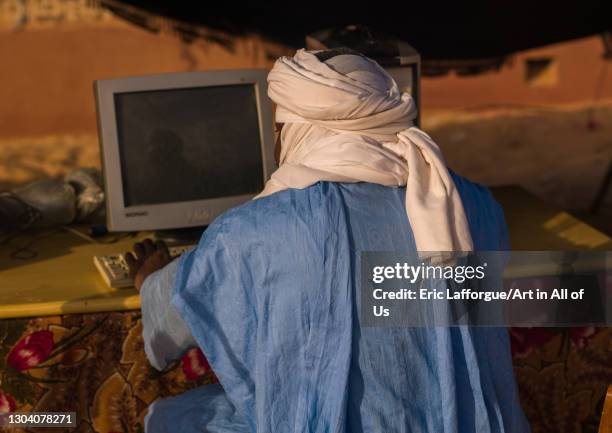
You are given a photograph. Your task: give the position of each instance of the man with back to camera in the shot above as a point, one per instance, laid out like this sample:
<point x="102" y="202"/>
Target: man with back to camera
<point x="270" y="293"/>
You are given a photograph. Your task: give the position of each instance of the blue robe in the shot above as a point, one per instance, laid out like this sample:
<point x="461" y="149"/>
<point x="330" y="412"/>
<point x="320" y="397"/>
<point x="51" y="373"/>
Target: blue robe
<point x="271" y="295"/>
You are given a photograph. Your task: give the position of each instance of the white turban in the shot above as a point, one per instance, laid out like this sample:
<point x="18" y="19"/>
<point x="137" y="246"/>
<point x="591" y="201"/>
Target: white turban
<point x="346" y="121"/>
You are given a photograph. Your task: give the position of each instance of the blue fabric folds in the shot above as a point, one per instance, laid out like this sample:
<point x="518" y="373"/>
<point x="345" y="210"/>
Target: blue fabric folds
<point x="165" y="334"/>
<point x="271" y="297"/>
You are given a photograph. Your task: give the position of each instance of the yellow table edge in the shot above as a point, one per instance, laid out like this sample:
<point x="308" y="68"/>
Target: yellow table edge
<point x="97" y="305"/>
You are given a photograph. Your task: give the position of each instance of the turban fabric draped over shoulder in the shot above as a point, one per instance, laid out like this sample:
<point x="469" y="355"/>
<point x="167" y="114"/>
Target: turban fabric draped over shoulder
<point x="345" y="120"/>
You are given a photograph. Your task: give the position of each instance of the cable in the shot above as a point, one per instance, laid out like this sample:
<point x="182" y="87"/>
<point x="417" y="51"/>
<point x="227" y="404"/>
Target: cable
<point x="15" y="223"/>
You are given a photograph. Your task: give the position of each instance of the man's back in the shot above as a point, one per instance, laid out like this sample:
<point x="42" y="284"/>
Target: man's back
<point x="271" y="295"/>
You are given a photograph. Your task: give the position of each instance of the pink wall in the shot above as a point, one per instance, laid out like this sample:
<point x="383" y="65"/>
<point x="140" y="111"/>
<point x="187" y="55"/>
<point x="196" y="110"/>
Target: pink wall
<point x="580" y="65"/>
<point x="47" y="74"/>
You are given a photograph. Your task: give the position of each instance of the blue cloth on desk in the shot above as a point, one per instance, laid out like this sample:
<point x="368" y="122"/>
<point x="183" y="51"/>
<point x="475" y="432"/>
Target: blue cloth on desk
<point x="270" y="296"/>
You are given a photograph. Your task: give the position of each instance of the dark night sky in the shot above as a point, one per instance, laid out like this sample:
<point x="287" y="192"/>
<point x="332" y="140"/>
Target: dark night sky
<point x="439" y="30"/>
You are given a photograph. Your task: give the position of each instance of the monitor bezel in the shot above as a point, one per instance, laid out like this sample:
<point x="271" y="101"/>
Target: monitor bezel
<point x="178" y="214"/>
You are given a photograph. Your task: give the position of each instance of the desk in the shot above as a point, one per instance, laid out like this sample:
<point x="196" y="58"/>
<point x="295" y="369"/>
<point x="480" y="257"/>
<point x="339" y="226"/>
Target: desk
<point x="91" y="350"/>
<point x="60" y="278"/>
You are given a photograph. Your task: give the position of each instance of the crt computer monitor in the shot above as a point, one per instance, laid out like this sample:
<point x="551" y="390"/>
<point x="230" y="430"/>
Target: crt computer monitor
<point x="179" y="149"/>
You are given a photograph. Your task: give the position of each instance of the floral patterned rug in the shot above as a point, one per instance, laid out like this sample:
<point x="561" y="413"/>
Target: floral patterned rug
<point x="92" y="364"/>
<point x="95" y="366"/>
<point x="563" y="375"/>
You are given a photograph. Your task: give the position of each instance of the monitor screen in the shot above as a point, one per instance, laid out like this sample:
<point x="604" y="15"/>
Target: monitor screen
<point x="189" y="144"/>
